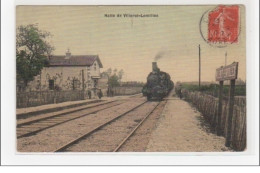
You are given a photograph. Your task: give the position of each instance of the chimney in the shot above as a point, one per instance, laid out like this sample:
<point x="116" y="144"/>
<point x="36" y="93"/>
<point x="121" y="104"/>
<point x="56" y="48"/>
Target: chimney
<point x="68" y="54"/>
<point x="155" y="68"/>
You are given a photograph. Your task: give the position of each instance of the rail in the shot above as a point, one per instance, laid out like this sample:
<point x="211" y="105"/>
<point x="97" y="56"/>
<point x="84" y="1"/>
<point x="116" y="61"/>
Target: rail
<point x="64" y="147"/>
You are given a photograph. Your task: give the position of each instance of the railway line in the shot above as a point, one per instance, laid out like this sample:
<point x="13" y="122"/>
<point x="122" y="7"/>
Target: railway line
<point x="122" y="127"/>
<point x="133" y="131"/>
<point x="35" y="125"/>
<point x="72" y="130"/>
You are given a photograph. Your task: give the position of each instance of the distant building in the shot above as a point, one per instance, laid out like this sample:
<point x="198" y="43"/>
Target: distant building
<point x="68" y="72"/>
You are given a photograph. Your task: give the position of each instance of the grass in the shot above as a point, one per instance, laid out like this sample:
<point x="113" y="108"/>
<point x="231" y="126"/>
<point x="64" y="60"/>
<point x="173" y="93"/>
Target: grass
<point x="213" y="89"/>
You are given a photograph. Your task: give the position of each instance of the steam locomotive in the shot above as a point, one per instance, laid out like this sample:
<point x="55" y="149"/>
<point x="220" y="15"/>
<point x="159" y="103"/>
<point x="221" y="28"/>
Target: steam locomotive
<point x="158" y="85"/>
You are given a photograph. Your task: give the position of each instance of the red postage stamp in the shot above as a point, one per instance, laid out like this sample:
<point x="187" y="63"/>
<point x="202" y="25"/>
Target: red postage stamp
<point x="223" y="26"/>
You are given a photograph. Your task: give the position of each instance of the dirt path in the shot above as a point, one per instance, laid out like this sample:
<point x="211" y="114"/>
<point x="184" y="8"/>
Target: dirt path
<point x="182" y="129"/>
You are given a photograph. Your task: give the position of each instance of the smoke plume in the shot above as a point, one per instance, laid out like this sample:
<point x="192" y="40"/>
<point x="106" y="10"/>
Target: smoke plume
<point x="162" y="54"/>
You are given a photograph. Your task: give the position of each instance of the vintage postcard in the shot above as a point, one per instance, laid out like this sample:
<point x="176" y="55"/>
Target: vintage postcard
<point x="131" y="78"/>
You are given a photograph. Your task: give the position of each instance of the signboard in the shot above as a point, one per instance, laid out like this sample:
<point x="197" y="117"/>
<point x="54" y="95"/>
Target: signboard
<point x="227" y="73"/>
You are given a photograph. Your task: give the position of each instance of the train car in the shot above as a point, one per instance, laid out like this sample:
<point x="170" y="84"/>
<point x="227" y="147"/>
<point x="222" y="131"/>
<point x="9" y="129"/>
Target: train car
<point x="158" y="85"/>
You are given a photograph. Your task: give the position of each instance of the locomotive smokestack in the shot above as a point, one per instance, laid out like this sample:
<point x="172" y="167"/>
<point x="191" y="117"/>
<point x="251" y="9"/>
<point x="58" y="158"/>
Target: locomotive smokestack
<point x="155" y="68"/>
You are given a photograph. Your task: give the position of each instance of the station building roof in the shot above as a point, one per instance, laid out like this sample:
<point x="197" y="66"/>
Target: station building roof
<point x="74" y="60"/>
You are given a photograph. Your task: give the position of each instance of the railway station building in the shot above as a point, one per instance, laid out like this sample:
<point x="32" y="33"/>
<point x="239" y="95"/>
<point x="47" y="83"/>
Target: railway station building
<point x="68" y="72"/>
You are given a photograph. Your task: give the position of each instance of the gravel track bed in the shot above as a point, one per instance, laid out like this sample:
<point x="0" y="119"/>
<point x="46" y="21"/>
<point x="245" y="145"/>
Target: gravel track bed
<point x="110" y="136"/>
<point x="51" y="139"/>
<point x="59" y="119"/>
<point x="66" y="111"/>
<point x="139" y="140"/>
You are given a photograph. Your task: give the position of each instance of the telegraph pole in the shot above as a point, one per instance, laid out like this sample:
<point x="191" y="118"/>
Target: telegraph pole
<point x="199" y="65"/>
<point x="226" y="58"/>
<point x="83" y="84"/>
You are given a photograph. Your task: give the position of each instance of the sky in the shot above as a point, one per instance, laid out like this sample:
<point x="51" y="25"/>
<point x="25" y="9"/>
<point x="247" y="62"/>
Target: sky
<point x="132" y="43"/>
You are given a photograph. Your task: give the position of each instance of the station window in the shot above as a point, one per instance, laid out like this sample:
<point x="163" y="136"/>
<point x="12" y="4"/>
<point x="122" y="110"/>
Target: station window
<point x="51" y="84"/>
<point x="95" y="83"/>
<point x="95" y="66"/>
<point x="75" y="84"/>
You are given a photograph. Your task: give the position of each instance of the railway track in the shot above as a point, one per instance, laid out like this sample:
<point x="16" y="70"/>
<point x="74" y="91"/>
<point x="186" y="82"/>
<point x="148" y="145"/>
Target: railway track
<point x="132" y="132"/>
<point x="133" y="119"/>
<point x="32" y="127"/>
<point x="136" y="96"/>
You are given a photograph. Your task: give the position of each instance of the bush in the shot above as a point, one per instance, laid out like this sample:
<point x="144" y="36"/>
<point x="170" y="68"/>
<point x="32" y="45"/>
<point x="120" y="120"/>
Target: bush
<point x="213" y="89"/>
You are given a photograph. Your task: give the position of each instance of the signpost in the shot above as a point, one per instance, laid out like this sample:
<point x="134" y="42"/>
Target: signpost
<point x="199" y="66"/>
<point x="226" y="73"/>
<point x="83" y="84"/>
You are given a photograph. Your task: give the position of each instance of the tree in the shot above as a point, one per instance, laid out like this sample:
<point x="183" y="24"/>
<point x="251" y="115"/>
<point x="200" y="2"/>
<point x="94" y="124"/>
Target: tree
<point x="120" y="74"/>
<point x="114" y="77"/>
<point x="32" y="50"/>
<point x="113" y="81"/>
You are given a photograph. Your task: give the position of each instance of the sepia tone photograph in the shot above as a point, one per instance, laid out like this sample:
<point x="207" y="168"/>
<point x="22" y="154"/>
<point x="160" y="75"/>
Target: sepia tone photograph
<point x="131" y="78"/>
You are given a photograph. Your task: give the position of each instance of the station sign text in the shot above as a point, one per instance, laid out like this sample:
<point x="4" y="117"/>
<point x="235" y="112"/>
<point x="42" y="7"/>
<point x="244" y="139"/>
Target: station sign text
<point x="227" y="73"/>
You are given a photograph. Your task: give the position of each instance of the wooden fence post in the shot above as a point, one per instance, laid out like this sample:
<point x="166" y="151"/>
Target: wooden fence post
<point x="220" y="98"/>
<point x="230" y="112"/>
